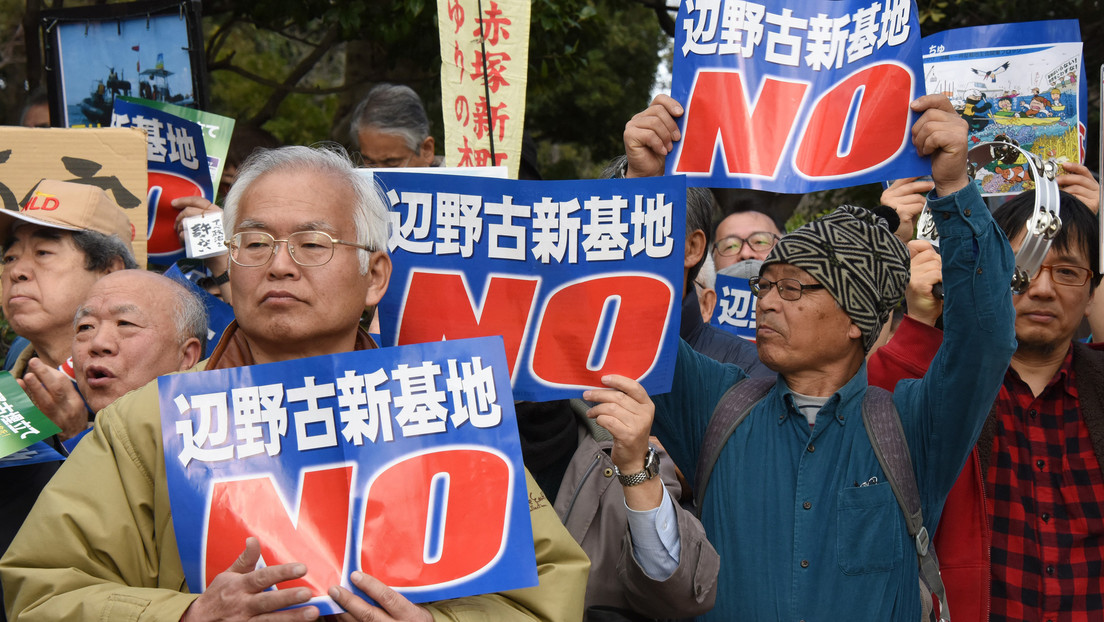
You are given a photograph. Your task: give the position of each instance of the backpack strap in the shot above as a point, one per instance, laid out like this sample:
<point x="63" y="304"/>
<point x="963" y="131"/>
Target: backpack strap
<point x="733" y="407"/>
<point x="887" y="438"/>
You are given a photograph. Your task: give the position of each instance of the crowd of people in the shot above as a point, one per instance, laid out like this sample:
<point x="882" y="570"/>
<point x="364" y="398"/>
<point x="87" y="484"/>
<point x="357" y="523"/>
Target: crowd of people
<point x="995" y="397"/>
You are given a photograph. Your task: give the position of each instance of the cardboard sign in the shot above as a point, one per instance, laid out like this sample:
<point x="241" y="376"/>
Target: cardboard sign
<point x="177" y="168"/>
<point x="808" y="97"/>
<point x="403" y="463"/>
<point x="22" y="424"/>
<point x="1019" y="83"/>
<point x="580" y="278"/>
<point x="110" y="158"/>
<point x="203" y="236"/>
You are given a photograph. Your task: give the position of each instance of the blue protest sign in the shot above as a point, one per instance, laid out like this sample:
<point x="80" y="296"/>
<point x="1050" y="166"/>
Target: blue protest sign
<point x="808" y="97"/>
<point x="735" y="308"/>
<point x="178" y="167"/>
<point x="580" y="278"/>
<point x="403" y="463"/>
<point x="1018" y="83"/>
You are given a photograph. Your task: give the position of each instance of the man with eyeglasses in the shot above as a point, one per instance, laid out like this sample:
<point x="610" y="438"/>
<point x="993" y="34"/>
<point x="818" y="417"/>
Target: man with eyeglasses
<point x="1022" y="530"/>
<point x="391" y="130"/>
<point x="307" y="248"/>
<point x="749" y="234"/>
<point x="797" y="506"/>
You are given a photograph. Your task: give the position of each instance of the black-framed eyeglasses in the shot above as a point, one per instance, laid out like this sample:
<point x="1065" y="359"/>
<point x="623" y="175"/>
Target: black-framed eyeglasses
<point x="760" y="242"/>
<point x="250" y="249"/>
<point x="788" y="289"/>
<point x="1063" y="274"/>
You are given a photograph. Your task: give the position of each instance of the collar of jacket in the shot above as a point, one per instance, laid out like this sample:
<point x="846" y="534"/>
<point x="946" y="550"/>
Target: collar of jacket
<point x="233" y="350"/>
<point x="1088" y="377"/>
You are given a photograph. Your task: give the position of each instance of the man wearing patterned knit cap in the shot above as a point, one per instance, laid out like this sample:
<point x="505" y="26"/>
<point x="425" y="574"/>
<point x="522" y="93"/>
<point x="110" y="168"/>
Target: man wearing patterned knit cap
<point x="797" y="505"/>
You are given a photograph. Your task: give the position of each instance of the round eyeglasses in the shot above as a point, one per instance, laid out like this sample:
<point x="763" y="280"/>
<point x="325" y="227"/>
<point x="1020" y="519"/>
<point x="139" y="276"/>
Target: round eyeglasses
<point x="788" y="289"/>
<point x="760" y="242"/>
<point x="250" y="249"/>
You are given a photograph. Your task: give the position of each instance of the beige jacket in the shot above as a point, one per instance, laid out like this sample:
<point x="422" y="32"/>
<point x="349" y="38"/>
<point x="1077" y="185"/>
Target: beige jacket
<point x="99" y="544"/>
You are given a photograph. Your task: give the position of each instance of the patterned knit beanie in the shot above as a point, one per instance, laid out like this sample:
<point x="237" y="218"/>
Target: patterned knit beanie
<point x="852" y="252"/>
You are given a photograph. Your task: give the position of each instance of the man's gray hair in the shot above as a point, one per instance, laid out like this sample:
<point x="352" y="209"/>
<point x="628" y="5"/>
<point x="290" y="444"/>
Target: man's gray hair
<point x="190" y="316"/>
<point x="100" y="250"/>
<point x="393" y="109"/>
<point x="369" y="206"/>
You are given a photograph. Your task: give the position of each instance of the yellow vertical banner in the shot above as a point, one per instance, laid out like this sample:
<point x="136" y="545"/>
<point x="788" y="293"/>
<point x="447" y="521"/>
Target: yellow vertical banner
<point x="484" y="67"/>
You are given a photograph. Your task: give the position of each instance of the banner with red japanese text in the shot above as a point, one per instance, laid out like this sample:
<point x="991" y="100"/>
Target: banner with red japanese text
<point x="402" y="463"/>
<point x="807" y="97"/>
<point x="580" y="278"/>
<point x="484" y="69"/>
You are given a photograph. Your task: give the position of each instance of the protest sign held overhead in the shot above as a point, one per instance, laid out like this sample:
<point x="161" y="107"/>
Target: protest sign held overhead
<point x="1015" y="83"/>
<point x="403" y="463"/>
<point x="807" y="97"/>
<point x="580" y="278"/>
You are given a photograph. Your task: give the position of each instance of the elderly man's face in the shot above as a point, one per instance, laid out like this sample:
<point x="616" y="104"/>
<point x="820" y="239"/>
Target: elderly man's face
<point x="795" y="336"/>
<point x="386" y="150"/>
<point x="289" y="311"/>
<point x="44" y="281"/>
<point x="126" y="336"/>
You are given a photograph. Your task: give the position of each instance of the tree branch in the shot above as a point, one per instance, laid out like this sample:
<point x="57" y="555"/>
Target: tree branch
<point x="303" y="68"/>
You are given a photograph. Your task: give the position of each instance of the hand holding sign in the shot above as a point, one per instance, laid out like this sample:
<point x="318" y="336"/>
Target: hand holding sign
<point x="926" y="270"/>
<point x="907" y="197"/>
<point x="650" y="135"/>
<point x="627" y="412"/>
<point x="55" y="395"/>
<point x="392" y="605"/>
<point x="941" y="133"/>
<point x="240" y="592"/>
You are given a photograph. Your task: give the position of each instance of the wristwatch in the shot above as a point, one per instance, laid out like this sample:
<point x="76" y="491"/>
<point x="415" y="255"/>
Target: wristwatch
<point x="651" y="469"/>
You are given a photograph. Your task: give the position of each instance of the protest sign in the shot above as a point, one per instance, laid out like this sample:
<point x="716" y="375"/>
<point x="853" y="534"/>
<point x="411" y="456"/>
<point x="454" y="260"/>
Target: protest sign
<point x="735" y="308"/>
<point x="484" y="67"/>
<point x="808" y="97"/>
<point x="403" y="463"/>
<point x="217" y="131"/>
<point x="177" y="161"/>
<point x="109" y="158"/>
<point x="580" y="278"/>
<point x="1016" y="83"/>
<point x="21" y="423"/>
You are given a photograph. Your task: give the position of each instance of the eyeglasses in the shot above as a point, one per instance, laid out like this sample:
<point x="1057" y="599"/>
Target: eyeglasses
<point x="388" y="163"/>
<point x="250" y="249"/>
<point x="1073" y="276"/>
<point x="788" y="289"/>
<point x="760" y="241"/>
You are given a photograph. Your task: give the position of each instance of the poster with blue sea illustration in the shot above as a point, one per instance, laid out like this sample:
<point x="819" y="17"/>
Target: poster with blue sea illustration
<point x="1017" y="83"/>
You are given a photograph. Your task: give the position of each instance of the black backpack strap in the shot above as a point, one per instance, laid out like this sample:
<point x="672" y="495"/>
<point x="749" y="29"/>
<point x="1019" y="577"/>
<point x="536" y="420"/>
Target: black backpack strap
<point x="734" y="406"/>
<point x="887" y="438"/>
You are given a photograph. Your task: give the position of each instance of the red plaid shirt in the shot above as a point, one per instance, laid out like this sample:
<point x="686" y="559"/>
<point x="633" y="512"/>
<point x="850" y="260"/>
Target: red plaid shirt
<point x="1047" y="506"/>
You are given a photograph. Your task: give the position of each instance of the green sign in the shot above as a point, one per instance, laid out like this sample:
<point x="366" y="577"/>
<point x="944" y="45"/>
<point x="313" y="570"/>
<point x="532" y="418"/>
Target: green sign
<point x="21" y="422"/>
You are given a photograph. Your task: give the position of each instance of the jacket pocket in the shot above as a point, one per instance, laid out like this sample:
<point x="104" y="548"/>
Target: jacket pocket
<point x="868" y="537"/>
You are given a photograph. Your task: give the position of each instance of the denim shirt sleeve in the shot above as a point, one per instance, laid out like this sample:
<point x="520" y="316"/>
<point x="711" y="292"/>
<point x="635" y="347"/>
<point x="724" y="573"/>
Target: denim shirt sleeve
<point x="943" y="412"/>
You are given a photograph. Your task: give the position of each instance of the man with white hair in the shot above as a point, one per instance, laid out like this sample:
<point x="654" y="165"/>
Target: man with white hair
<point x="307" y="237"/>
<point x="391" y="130"/>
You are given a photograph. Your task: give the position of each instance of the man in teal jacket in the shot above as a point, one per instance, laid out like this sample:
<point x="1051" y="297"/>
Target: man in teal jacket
<point x="798" y="507"/>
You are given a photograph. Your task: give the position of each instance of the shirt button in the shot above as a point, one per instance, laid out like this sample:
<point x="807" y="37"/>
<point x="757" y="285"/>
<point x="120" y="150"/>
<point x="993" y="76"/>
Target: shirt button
<point x="1050" y="569"/>
<point x="946" y="216"/>
<point x="698" y="590"/>
<point x="1045" y="517"/>
<point x="1040" y="463"/>
<point x="811" y="448"/>
<point x="979" y="271"/>
<point x="804" y="563"/>
<point x="608" y="472"/>
<point x="807" y="505"/>
<point x="966" y="212"/>
<point x="1032" y="413"/>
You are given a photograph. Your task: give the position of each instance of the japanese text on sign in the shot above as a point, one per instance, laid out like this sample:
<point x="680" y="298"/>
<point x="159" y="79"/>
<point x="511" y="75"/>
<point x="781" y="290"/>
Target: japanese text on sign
<point x="616" y="227"/>
<point x="164" y="143"/>
<point x="252" y="420"/>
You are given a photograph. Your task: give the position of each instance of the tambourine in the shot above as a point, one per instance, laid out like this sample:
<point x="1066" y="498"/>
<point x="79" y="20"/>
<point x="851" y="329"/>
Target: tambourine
<point x="1044" y="222"/>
